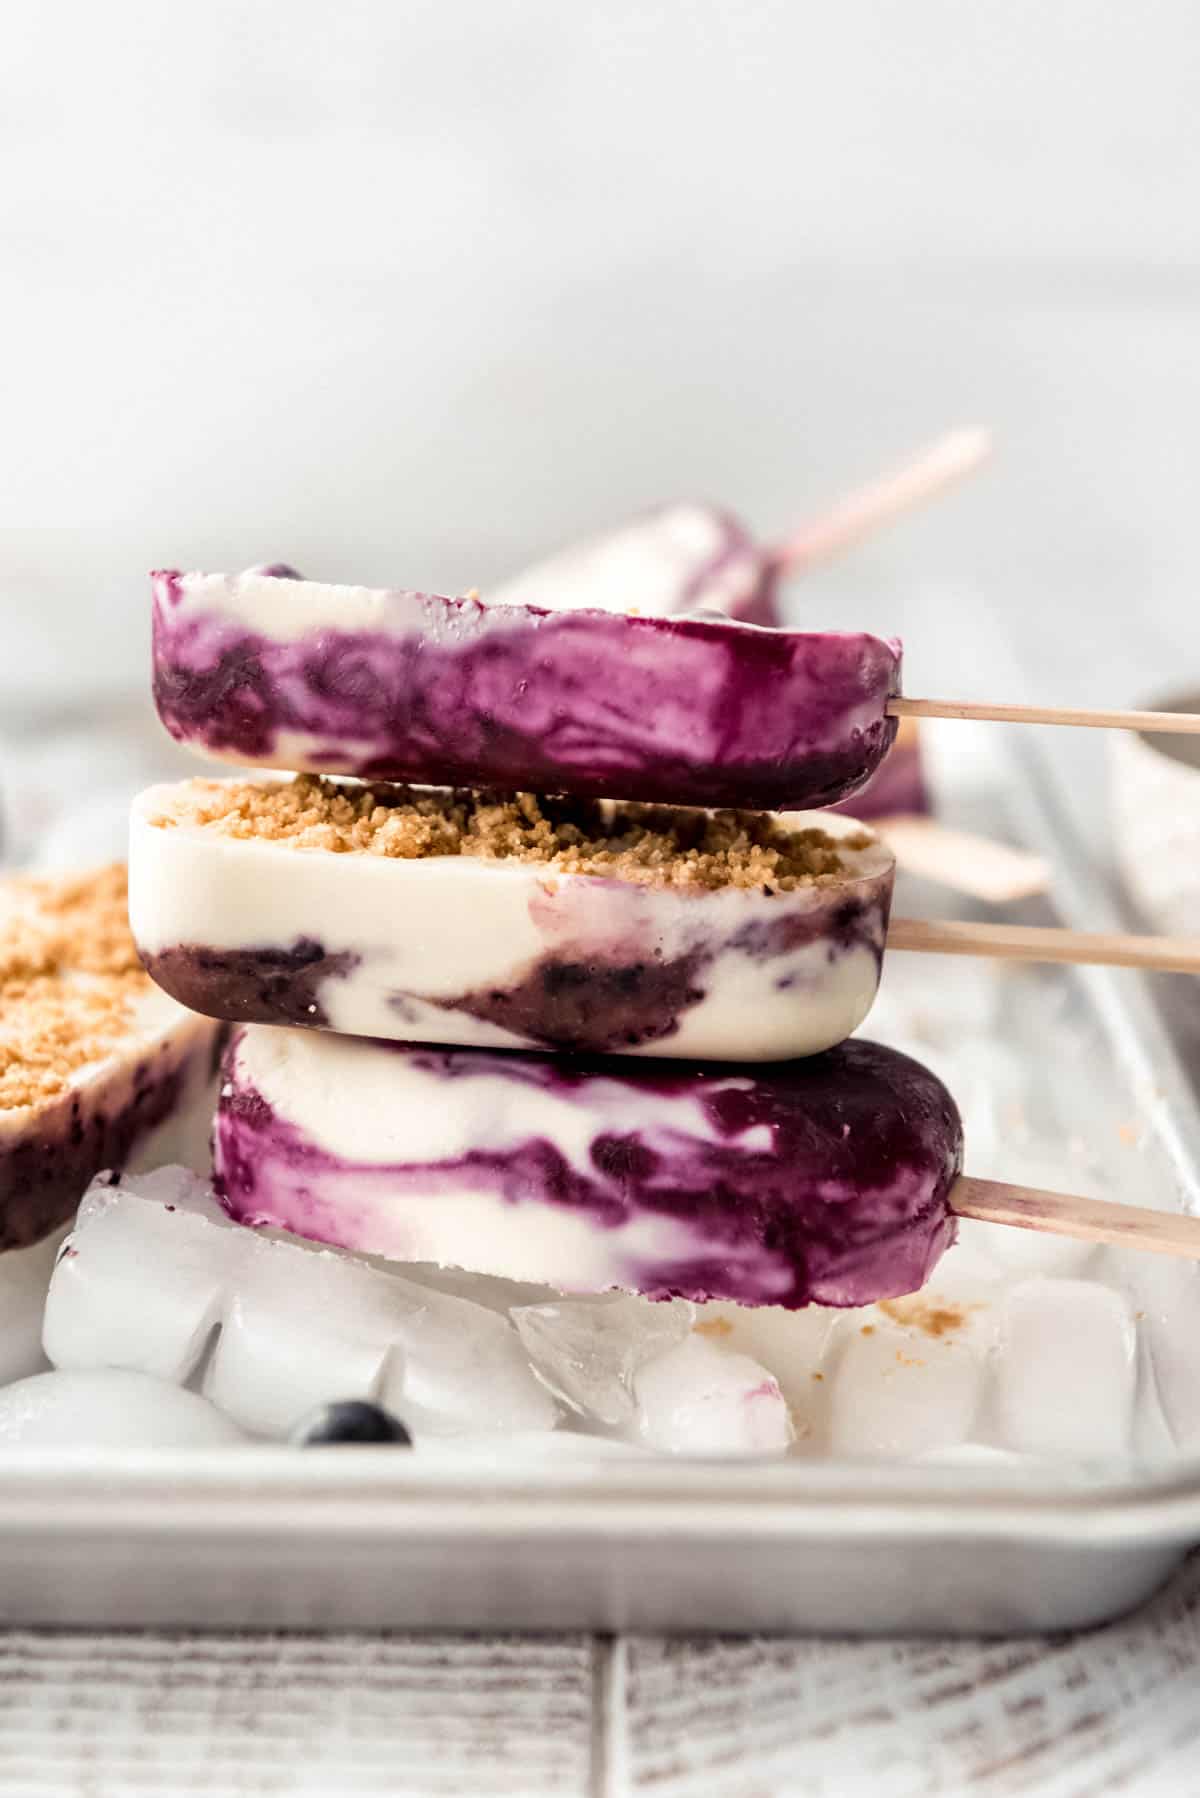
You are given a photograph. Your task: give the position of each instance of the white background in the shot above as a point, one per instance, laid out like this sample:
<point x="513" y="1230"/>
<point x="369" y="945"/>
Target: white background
<point x="409" y="290"/>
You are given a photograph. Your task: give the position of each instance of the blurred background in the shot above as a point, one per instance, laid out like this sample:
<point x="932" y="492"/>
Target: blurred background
<point x="413" y="290"/>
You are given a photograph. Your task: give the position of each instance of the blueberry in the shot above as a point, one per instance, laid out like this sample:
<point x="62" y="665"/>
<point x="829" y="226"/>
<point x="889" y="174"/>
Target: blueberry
<point x="351" y="1420"/>
<point x="280" y="571"/>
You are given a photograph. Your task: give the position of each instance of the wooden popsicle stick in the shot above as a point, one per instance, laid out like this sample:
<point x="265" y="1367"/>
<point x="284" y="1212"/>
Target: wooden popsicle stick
<point x="1031" y="942"/>
<point x="868" y="508"/>
<point x="1173" y="723"/>
<point x="978" y="866"/>
<point x="1067" y="1214"/>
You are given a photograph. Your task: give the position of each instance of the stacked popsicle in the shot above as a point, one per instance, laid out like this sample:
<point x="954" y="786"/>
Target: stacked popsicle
<point x="558" y="1021"/>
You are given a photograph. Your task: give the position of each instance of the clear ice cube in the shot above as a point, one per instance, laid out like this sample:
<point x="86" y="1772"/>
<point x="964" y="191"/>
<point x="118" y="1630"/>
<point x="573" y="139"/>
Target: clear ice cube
<point x="490" y="1290"/>
<point x="299" y="1329"/>
<point x="900" y="1391"/>
<point x="1167" y="1295"/>
<point x="109" y="1408"/>
<point x="1066" y="1374"/>
<point x="460" y="1367"/>
<point x="699" y="1399"/>
<point x="588" y="1350"/>
<point x="791" y="1345"/>
<point x="154" y="1267"/>
<point x="141" y="1279"/>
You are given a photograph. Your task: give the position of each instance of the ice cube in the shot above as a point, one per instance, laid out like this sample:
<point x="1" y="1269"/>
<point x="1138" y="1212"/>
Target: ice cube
<point x="461" y="1367"/>
<point x="492" y="1290"/>
<point x="307" y="1326"/>
<point x="154" y="1267"/>
<point x="902" y="1388"/>
<point x="24" y="1279"/>
<point x="1167" y="1296"/>
<point x="108" y="1408"/>
<point x="141" y="1280"/>
<point x="1066" y="1372"/>
<point x="791" y="1345"/>
<point x="588" y="1350"/>
<point x="699" y="1399"/>
<point x="299" y="1330"/>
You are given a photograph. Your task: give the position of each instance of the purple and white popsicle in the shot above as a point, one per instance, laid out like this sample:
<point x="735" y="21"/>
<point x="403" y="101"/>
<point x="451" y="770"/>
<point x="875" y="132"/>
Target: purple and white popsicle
<point x="477" y="950"/>
<point x="681" y="557"/>
<point x="388" y="684"/>
<point x="822" y="1180"/>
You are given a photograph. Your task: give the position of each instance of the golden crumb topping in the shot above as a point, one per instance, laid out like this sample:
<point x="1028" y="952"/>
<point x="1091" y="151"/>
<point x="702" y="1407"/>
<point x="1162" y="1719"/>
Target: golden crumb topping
<point x="69" y="978"/>
<point x="649" y="845"/>
<point x="932" y="1317"/>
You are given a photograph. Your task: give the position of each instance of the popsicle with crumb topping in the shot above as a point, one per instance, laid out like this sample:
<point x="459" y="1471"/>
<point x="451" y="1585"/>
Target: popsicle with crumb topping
<point x="514" y="922"/>
<point x="94" y="1058"/>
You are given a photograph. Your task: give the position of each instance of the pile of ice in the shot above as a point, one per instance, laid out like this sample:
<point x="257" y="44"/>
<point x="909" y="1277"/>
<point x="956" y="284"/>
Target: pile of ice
<point x="169" y="1324"/>
<point x="156" y="1282"/>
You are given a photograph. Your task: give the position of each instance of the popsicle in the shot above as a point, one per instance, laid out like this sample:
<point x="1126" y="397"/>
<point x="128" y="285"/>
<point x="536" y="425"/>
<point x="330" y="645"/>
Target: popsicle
<point x="264" y="669"/>
<point x="689" y="557"/>
<point x="93" y="1057"/>
<point x="825" y="1179"/>
<point x="680" y="557"/>
<point x="441" y="916"/>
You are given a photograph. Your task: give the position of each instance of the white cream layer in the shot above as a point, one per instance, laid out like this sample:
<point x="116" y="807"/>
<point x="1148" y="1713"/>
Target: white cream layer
<point x="448" y="926"/>
<point x="287" y="610"/>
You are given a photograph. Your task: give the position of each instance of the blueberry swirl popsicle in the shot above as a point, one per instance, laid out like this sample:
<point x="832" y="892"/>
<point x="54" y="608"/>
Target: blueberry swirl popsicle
<point x="270" y="670"/>
<point x="521" y="923"/>
<point x="821" y="1180"/>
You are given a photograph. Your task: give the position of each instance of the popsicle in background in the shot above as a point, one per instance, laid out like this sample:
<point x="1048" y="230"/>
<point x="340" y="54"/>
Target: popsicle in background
<point x="691" y="557"/>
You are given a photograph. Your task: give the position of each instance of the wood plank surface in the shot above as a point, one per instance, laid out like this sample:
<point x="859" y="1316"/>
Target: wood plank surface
<point x="1068" y="1716"/>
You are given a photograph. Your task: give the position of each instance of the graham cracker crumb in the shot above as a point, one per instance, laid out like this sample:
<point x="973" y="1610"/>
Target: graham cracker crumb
<point x="713" y="1326"/>
<point x="647" y="845"/>
<point x="927" y="1315"/>
<point x="69" y="978"/>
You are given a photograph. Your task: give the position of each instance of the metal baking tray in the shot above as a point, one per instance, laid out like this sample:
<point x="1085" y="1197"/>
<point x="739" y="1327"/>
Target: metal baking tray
<point x="272" y="1538"/>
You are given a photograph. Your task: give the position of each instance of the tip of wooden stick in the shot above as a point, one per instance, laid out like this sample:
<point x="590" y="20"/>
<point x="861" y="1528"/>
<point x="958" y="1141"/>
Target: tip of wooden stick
<point x="965" y="448"/>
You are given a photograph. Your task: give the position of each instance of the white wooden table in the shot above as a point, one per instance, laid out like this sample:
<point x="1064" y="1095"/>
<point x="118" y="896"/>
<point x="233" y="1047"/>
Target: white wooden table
<point x="100" y="1716"/>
